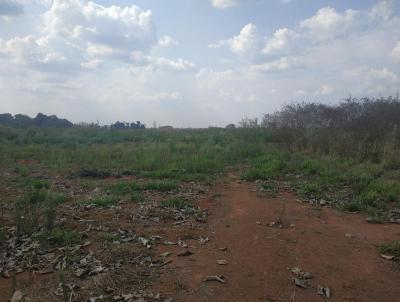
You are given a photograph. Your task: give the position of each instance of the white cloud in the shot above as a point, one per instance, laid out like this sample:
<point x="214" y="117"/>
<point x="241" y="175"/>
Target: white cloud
<point x="280" y="41"/>
<point x="77" y="34"/>
<point x="396" y="52"/>
<point x="328" y="23"/>
<point x="281" y="64"/>
<point x="222" y="4"/>
<point x="167" y="41"/>
<point x="382" y="10"/>
<point x="324" y="90"/>
<point x="247" y="43"/>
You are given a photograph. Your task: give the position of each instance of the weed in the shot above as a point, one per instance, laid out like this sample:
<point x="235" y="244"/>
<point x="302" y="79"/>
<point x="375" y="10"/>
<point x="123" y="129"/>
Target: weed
<point x="60" y="237"/>
<point x="352" y="206"/>
<point x="3" y="235"/>
<point x="137" y="197"/>
<point x="162" y="186"/>
<point x="392" y="249"/>
<point x="177" y="203"/>
<point x="124" y="187"/>
<point x="108" y="237"/>
<point x="103" y="201"/>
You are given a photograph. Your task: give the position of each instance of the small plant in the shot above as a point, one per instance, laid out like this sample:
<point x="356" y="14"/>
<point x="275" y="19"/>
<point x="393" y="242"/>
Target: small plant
<point x="162" y="186"/>
<point x="124" y="187"/>
<point x="177" y="203"/>
<point x="108" y="237"/>
<point x="137" y="197"/>
<point x="391" y="249"/>
<point x="3" y="235"/>
<point x="271" y="189"/>
<point x="103" y="201"/>
<point x="351" y="206"/>
<point x="61" y="237"/>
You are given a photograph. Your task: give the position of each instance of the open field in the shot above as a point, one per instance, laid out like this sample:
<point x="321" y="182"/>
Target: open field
<point x="149" y="215"/>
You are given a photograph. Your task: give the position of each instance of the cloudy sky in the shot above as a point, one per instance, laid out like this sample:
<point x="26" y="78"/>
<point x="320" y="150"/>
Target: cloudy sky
<point x="192" y="62"/>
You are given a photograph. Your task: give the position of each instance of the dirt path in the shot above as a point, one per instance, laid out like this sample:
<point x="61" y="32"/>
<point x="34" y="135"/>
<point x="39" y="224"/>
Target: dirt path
<point x="260" y="258"/>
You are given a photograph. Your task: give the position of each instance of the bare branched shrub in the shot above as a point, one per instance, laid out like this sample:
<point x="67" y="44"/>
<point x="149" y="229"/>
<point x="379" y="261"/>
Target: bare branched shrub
<point x="364" y="128"/>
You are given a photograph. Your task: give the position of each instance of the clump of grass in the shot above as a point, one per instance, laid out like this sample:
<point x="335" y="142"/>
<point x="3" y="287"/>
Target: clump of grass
<point x="37" y="210"/>
<point x="351" y="206"/>
<point x="137" y="197"/>
<point x="162" y="186"/>
<point x="392" y="249"/>
<point x="59" y="237"/>
<point x="108" y="237"/>
<point x="3" y="235"/>
<point x="124" y="187"/>
<point x="177" y="203"/>
<point x="271" y="189"/>
<point x="266" y="167"/>
<point x="103" y="201"/>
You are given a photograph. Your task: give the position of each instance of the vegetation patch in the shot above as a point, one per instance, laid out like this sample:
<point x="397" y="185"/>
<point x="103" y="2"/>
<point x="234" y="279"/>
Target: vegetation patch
<point x="162" y="186"/>
<point x="176" y="203"/>
<point x="391" y="249"/>
<point x="102" y="201"/>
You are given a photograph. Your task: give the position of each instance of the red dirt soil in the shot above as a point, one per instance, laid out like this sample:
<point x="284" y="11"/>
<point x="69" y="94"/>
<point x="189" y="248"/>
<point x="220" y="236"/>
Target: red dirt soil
<point x="260" y="258"/>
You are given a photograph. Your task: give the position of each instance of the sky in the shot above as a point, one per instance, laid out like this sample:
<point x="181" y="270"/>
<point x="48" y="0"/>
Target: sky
<point x="192" y="63"/>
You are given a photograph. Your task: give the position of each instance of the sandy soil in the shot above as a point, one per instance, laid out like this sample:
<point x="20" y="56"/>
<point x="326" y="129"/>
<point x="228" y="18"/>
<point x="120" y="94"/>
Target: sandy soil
<point x="260" y="258"/>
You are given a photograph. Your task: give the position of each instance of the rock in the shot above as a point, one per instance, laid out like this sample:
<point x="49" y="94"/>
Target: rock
<point x="324" y="291"/>
<point x="17" y="296"/>
<point x="300" y="274"/>
<point x="216" y="278"/>
<point x="182" y="244"/>
<point x="165" y="255"/>
<point x="348" y="235"/>
<point x="203" y="240"/>
<point x="300" y="283"/>
<point x="387" y="257"/>
<point x="222" y="262"/>
<point x="185" y="253"/>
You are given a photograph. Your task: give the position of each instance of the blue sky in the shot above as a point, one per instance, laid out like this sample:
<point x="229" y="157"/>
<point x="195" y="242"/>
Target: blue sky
<point x="192" y="62"/>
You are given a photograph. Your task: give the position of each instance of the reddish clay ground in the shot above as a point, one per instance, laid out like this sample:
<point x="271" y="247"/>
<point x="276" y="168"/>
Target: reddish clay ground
<point x="260" y="258"/>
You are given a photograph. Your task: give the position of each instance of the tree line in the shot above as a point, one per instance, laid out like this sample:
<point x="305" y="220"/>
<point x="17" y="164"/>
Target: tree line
<point x="52" y="121"/>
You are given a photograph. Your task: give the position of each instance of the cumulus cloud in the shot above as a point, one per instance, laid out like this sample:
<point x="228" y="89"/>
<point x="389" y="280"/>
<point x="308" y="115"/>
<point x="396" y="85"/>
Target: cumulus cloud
<point x="167" y="41"/>
<point x="77" y="34"/>
<point x="281" y="64"/>
<point x="224" y="3"/>
<point x="396" y="52"/>
<point x="281" y="41"/>
<point x="328" y="23"/>
<point x="246" y="44"/>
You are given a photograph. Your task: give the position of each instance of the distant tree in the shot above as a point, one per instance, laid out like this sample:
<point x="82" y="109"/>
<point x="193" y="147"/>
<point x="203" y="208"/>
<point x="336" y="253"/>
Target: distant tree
<point x="6" y="119"/>
<point x="22" y="121"/>
<point x="230" y="126"/>
<point x="249" y="123"/>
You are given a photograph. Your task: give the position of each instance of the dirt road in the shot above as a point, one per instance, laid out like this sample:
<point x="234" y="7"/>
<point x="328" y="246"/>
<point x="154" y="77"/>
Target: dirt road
<point x="338" y="249"/>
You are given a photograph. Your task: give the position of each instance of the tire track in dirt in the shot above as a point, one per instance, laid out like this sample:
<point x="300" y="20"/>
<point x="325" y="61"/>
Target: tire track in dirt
<point x="260" y="258"/>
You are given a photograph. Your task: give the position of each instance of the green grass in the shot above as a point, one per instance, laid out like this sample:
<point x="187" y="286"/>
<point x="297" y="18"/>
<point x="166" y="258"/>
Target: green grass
<point x="124" y="187"/>
<point x="317" y="177"/>
<point x="137" y="197"/>
<point x="2" y="235"/>
<point x="391" y="249"/>
<point x="102" y="201"/>
<point x="60" y="237"/>
<point x="177" y="203"/>
<point x="37" y="210"/>
<point x="162" y="186"/>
